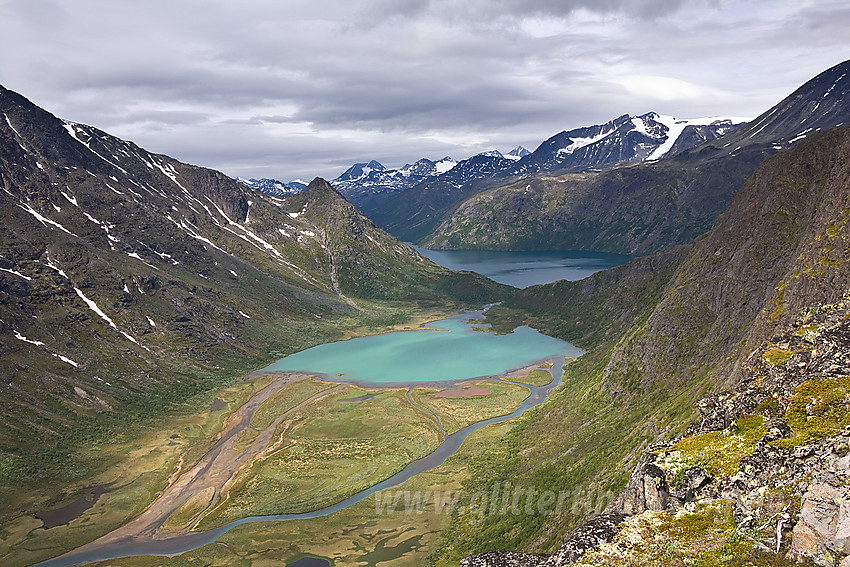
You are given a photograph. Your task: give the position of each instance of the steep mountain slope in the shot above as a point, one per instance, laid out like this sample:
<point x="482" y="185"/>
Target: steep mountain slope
<point x="129" y="279"/>
<point x="645" y="207"/>
<point x="627" y="139"/>
<point x="773" y="261"/>
<point x="629" y="210"/>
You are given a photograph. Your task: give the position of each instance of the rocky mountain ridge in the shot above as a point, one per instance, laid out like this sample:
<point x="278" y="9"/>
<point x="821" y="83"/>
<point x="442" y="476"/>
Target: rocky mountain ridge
<point x="273" y="186"/>
<point x="626" y="139"/>
<point x="366" y="181"/>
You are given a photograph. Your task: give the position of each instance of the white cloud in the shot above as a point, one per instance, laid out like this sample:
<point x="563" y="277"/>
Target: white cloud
<point x="659" y="88"/>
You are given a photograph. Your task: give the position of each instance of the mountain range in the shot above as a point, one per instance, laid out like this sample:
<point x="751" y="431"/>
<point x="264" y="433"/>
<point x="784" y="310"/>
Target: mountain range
<point x="634" y="210"/>
<point x="273" y="186"/>
<point x="364" y="182"/>
<point x="625" y="139"/>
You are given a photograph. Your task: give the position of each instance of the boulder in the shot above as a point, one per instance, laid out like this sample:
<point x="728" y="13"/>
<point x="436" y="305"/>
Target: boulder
<point x="823" y="528"/>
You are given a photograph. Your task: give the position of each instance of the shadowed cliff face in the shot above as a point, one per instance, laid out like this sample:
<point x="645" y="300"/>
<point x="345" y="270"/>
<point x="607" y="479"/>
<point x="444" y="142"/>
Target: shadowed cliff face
<point x="781" y="245"/>
<point x="777" y="255"/>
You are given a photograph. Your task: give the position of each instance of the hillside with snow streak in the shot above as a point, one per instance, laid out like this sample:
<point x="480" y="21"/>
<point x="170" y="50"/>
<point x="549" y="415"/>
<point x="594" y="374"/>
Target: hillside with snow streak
<point x="128" y="277"/>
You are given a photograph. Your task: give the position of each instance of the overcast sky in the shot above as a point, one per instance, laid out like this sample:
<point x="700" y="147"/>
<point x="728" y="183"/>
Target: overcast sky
<point x="291" y="88"/>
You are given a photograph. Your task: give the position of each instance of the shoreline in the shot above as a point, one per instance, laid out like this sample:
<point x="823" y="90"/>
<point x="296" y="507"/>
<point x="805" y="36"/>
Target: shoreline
<point x="513" y="372"/>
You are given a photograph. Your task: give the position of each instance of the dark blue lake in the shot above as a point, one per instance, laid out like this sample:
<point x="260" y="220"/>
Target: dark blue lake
<point x="524" y="269"/>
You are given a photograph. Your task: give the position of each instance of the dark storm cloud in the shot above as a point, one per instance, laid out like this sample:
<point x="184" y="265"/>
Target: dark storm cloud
<point x="303" y="88"/>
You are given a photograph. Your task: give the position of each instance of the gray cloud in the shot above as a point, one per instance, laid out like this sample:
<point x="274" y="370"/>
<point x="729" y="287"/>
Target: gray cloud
<point x="297" y="89"/>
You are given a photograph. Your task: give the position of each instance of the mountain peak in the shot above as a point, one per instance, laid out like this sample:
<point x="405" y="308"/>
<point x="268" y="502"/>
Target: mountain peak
<point x="518" y="151"/>
<point x="492" y="153"/>
<point x="319" y="186"/>
<point x="360" y="170"/>
<point x="273" y="186"/>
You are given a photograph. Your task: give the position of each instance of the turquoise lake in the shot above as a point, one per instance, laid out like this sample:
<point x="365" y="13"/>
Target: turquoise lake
<point x="455" y="352"/>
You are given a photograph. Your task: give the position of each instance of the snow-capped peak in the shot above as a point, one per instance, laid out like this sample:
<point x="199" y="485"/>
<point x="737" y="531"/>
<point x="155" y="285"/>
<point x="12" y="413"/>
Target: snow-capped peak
<point x="444" y="165"/>
<point x="492" y="153"/>
<point x="273" y="186"/>
<point x="517" y="153"/>
<point x="675" y="127"/>
<point x="578" y="142"/>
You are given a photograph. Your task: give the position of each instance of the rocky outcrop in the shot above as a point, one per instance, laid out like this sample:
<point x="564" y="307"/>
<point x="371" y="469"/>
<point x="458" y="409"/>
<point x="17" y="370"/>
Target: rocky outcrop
<point x="823" y="529"/>
<point x="503" y="559"/>
<point x="793" y="479"/>
<point x="587" y="537"/>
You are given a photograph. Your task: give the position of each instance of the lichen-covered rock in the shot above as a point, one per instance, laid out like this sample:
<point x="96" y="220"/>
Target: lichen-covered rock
<point x="587" y="537"/>
<point x="503" y="559"/>
<point x="647" y="490"/>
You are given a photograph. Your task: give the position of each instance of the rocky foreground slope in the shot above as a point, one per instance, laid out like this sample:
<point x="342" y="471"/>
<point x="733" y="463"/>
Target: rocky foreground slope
<point x="753" y="323"/>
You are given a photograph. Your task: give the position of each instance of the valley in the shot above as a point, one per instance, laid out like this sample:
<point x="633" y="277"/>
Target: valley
<point x="336" y="441"/>
<point x="196" y="372"/>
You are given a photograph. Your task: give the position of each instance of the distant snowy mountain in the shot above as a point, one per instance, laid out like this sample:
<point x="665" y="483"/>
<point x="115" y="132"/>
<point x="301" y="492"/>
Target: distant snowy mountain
<point x="361" y="171"/>
<point x="273" y="186"/>
<point x="364" y="181"/>
<point x="627" y="138"/>
<point x="492" y="153"/>
<point x="517" y="153"/>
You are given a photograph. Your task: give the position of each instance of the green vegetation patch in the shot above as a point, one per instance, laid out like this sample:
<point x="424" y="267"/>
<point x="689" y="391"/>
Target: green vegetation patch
<point x="325" y="451"/>
<point x="185" y="514"/>
<point x="818" y="409"/>
<point x="285" y="400"/>
<point x="496" y="398"/>
<point x="537" y="377"/>
<point x="715" y="453"/>
<point x="776" y="356"/>
<point x="703" y="538"/>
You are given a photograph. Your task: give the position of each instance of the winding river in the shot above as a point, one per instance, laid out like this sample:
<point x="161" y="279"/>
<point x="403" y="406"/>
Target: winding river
<point x="150" y="541"/>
